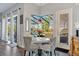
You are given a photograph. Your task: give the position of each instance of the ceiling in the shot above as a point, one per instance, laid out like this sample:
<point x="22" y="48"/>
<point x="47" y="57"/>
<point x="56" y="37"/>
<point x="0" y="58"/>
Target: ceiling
<point x="5" y="6"/>
<point x="56" y="4"/>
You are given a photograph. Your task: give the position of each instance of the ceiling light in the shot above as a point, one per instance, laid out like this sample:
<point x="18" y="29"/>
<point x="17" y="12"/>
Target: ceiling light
<point x="40" y="4"/>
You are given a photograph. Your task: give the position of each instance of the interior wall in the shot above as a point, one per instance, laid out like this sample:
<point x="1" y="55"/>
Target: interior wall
<point x="51" y="8"/>
<point x="75" y="19"/>
<point x="29" y="10"/>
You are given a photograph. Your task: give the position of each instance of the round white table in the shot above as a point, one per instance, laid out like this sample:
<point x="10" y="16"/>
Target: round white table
<point x="39" y="41"/>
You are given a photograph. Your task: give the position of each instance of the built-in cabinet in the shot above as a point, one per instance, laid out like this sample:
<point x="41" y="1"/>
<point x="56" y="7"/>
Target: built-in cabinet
<point x="64" y="28"/>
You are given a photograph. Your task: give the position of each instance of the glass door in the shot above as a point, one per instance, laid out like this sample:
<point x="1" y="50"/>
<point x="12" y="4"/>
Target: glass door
<point x="15" y="28"/>
<point x="11" y="29"/>
<point x="8" y="30"/>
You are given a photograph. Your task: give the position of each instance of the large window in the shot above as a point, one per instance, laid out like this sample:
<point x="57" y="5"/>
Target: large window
<point x="41" y="26"/>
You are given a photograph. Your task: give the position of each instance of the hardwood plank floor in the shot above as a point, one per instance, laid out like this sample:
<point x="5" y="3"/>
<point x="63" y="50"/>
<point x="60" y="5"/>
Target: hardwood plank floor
<point x="6" y="50"/>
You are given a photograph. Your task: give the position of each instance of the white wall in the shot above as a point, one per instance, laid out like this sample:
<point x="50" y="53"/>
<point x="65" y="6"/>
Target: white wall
<point x="29" y="9"/>
<point x="75" y="19"/>
<point x="51" y="8"/>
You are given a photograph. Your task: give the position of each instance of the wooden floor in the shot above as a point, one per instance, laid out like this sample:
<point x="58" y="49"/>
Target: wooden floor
<point x="6" y="50"/>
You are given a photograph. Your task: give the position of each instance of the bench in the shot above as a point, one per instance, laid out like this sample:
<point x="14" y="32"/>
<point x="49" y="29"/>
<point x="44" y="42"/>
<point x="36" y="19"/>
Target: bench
<point x="60" y="50"/>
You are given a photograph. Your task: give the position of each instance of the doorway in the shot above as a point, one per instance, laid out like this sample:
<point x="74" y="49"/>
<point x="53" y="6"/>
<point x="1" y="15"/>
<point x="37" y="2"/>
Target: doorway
<point x="11" y="33"/>
<point x="8" y="30"/>
<point x="15" y="28"/>
<point x="64" y="26"/>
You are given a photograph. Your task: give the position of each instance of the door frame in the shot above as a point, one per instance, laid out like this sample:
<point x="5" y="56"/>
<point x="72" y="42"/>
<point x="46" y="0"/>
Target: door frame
<point x="69" y="11"/>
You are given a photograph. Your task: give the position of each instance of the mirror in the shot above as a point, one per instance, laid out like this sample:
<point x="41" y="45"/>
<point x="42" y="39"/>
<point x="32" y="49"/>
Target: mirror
<point x="64" y="28"/>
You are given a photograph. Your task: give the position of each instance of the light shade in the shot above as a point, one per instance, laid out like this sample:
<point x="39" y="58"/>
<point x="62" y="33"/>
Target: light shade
<point x="40" y="4"/>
